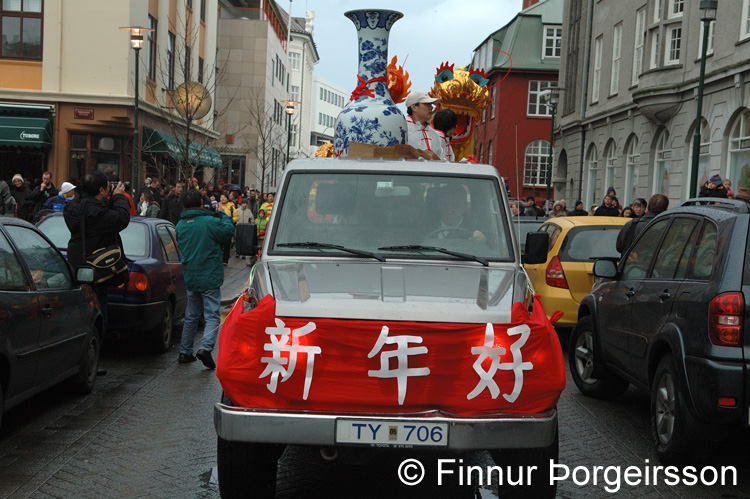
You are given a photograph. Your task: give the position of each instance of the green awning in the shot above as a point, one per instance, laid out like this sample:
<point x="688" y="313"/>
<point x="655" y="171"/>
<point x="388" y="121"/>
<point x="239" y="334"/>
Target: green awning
<point x="155" y="141"/>
<point x="25" y="131"/>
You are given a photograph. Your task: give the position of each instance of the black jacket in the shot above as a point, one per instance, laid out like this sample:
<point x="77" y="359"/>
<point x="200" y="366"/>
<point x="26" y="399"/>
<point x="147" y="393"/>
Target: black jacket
<point x="20" y="195"/>
<point x="171" y="208"/>
<point x="630" y="231"/>
<point x="578" y="213"/>
<point x="103" y="224"/>
<point x="38" y="197"/>
<point x="603" y="211"/>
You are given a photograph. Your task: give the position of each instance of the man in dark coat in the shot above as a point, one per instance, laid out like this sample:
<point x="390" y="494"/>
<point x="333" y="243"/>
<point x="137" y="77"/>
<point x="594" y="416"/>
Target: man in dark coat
<point x="104" y="218"/>
<point x="578" y="211"/>
<point x="658" y="203"/>
<point x="41" y="194"/>
<point x="608" y="207"/>
<point x="171" y="207"/>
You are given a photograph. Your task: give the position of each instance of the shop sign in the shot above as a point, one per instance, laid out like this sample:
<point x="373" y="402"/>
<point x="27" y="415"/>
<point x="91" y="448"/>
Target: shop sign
<point x="81" y="113"/>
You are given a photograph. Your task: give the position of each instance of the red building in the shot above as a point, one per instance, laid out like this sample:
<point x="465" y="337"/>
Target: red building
<point x="522" y="60"/>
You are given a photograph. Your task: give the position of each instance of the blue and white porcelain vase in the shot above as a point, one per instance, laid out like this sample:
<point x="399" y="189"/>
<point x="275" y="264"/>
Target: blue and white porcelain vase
<point x="371" y="117"/>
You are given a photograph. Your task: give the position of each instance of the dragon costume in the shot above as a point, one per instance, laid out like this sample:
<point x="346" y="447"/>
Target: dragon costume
<point x="463" y="91"/>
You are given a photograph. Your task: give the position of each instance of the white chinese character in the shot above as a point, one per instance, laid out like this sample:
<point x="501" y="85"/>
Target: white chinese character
<point x="401" y="353"/>
<point x="486" y="378"/>
<point x="280" y="343"/>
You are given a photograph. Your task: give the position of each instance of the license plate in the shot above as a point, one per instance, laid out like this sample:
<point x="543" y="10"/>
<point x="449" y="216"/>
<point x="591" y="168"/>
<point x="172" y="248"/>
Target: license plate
<point x="386" y="433"/>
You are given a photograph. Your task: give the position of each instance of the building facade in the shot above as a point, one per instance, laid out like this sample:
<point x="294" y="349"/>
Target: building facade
<point x="303" y="55"/>
<point x="328" y="101"/>
<point x="630" y="121"/>
<point x="67" y="73"/>
<point x="522" y="61"/>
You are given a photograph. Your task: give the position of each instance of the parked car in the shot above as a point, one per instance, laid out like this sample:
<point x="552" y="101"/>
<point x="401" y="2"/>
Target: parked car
<point x="155" y="297"/>
<point x="566" y="277"/>
<point x="670" y="319"/>
<point x="49" y="325"/>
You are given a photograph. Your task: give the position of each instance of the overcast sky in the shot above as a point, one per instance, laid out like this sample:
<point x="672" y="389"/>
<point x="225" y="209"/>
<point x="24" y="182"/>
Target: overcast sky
<point x="430" y="33"/>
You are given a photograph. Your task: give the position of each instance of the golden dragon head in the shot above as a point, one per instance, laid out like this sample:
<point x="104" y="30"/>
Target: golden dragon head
<point x="463" y="91"/>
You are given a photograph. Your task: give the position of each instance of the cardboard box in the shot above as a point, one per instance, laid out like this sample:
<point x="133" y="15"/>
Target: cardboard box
<point x="399" y="151"/>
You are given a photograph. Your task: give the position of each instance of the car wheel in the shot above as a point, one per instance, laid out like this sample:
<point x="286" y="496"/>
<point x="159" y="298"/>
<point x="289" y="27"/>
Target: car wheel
<point x="89" y="365"/>
<point x="581" y="358"/>
<point x="524" y="459"/>
<point x="162" y="333"/>
<point x="246" y="469"/>
<point x="670" y="417"/>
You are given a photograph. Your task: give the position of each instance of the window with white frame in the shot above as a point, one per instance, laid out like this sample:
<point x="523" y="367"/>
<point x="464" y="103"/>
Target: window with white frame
<point x="552" y="41"/>
<point x="739" y="152"/>
<point x="632" y="165"/>
<point x="295" y="93"/>
<point x="676" y="7"/>
<point x="592" y="166"/>
<point x="710" y="46"/>
<point x="615" y="72"/>
<point x="611" y="166"/>
<point x="655" y="48"/>
<point x="661" y="164"/>
<point x="597" y="70"/>
<point x="294" y="58"/>
<point x="535" y="163"/>
<point x="537" y="106"/>
<point x="494" y="102"/>
<point x="657" y="11"/>
<point x="640" y="38"/>
<point x="489" y="153"/>
<point x="674" y="45"/>
<point x="745" y="21"/>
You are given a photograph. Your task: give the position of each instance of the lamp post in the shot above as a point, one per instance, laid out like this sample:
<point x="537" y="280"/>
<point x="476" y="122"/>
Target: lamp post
<point x="708" y="14"/>
<point x="290" y="106"/>
<point x="553" y="96"/>
<point x="136" y="43"/>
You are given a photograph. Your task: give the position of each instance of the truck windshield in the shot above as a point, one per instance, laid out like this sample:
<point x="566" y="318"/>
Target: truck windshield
<point x="364" y="212"/>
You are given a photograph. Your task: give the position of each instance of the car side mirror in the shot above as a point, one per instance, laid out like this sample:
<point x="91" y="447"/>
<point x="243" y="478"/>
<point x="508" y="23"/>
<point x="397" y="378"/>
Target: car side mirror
<point x="605" y="268"/>
<point x="85" y="275"/>
<point x="537" y="244"/>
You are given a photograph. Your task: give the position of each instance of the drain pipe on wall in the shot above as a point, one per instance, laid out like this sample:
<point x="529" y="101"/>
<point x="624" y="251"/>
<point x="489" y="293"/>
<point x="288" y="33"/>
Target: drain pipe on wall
<point x="589" y="30"/>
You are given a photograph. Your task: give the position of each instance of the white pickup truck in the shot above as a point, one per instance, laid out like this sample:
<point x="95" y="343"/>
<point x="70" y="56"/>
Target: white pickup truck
<point x="389" y="312"/>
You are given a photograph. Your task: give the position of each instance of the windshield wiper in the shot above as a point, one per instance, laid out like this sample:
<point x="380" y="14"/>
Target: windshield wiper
<point x="312" y="244"/>
<point x="417" y="247"/>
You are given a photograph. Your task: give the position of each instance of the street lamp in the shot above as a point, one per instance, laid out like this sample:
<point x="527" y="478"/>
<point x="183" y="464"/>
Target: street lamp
<point x="552" y="95"/>
<point x="708" y="14"/>
<point x="290" y="104"/>
<point x="136" y="43"/>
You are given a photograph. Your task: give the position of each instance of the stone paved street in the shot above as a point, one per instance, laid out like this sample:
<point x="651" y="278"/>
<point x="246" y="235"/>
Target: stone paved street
<point x="147" y="431"/>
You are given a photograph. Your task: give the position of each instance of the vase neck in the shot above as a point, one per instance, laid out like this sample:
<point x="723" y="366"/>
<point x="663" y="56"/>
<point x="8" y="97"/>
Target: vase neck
<point x="373" y="28"/>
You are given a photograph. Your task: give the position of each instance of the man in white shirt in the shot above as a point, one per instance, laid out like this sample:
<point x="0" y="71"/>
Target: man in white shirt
<point x="421" y="134"/>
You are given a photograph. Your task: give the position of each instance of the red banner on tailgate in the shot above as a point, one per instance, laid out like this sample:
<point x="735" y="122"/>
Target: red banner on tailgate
<point x="358" y="366"/>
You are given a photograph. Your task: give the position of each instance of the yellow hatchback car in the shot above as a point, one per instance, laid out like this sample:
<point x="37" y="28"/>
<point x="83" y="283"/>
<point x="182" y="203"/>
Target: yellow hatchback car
<point x="567" y="275"/>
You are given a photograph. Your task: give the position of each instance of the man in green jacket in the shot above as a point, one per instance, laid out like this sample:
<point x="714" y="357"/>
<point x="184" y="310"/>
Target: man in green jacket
<point x="201" y="235"/>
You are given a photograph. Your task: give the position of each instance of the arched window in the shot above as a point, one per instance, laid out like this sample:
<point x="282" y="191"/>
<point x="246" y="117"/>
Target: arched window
<point x="592" y="165"/>
<point x="609" y="173"/>
<point x="739" y="153"/>
<point x="632" y="164"/>
<point x="535" y="163"/>
<point x="662" y="157"/>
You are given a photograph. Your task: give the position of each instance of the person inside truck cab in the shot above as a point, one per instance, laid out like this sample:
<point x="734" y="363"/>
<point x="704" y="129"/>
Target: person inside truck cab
<point x="455" y="220"/>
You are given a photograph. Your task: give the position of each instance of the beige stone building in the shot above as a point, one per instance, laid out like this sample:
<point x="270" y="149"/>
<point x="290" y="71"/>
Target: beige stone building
<point x="627" y="115"/>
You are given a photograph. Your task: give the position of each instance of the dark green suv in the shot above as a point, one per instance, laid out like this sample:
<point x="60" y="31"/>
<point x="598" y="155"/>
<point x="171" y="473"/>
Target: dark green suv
<point x="669" y="318"/>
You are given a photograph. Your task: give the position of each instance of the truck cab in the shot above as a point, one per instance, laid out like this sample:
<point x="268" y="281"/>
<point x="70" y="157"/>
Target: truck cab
<point x="389" y="310"/>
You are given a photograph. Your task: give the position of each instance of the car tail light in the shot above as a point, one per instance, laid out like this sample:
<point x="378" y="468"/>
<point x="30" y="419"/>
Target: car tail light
<point x="725" y="319"/>
<point x="555" y="275"/>
<point x="138" y="282"/>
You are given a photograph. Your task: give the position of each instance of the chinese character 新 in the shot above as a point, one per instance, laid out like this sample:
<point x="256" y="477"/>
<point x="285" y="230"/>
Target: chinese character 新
<point x="401" y="353"/>
<point x="487" y="351"/>
<point x="280" y="343"/>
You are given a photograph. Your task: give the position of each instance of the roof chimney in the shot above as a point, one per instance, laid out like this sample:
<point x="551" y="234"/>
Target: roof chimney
<point x="529" y="3"/>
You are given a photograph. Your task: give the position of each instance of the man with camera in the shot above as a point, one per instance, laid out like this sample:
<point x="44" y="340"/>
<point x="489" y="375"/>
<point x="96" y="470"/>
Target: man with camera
<point x="101" y="211"/>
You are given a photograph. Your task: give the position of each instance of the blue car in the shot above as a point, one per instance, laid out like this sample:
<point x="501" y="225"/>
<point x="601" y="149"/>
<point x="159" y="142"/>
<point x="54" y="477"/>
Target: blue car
<point x="155" y="297"/>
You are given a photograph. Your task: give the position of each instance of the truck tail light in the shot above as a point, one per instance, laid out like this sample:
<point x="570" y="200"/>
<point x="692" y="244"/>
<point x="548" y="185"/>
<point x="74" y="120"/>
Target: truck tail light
<point x="555" y="276"/>
<point x="725" y="319"/>
<point x="138" y="282"/>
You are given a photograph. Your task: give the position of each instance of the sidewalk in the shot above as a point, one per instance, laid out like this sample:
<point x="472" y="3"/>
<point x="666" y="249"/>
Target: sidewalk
<point x="235" y="279"/>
